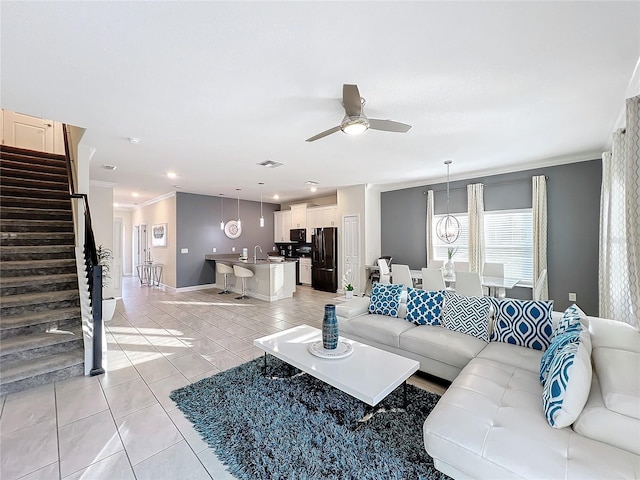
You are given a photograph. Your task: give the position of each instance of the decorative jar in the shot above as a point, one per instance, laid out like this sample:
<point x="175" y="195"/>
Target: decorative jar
<point x="330" y="328"/>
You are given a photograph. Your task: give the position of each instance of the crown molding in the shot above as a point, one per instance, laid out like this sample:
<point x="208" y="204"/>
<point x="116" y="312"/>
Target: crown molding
<point x="156" y="200"/>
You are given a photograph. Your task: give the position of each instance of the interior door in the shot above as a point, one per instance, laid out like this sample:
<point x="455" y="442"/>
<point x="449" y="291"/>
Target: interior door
<point x="140" y="244"/>
<point x="25" y="131"/>
<point x="116" y="271"/>
<point x="351" y="250"/>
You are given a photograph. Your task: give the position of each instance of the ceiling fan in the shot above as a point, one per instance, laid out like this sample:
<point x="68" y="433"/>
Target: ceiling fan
<point x="355" y="121"/>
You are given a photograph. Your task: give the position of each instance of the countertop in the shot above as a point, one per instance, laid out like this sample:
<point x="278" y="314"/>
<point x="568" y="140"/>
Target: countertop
<point x="233" y="258"/>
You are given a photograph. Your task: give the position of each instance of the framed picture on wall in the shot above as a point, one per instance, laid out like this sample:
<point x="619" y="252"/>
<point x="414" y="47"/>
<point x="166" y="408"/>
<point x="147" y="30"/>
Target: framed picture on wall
<point x="159" y="235"/>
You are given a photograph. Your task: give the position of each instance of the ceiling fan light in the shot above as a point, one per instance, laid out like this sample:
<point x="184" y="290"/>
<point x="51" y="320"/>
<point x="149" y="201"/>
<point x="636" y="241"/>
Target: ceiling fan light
<point x="354" y="125"/>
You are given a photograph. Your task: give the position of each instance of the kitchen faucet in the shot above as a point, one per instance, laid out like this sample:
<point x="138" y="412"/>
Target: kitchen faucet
<point x="255" y="254"/>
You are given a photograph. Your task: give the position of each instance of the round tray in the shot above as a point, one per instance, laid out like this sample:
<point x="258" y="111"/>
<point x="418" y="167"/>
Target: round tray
<point x="343" y="349"/>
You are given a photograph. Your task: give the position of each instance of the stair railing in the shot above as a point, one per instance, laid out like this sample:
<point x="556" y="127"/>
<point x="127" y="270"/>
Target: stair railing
<point x="92" y="267"/>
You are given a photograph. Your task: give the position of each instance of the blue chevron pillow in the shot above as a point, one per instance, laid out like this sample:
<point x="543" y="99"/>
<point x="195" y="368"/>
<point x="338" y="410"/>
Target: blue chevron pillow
<point x="571" y="320"/>
<point x="526" y="323"/>
<point x="424" y="307"/>
<point x="385" y="299"/>
<point x="567" y="387"/>
<point x="468" y="315"/>
<point x="557" y="344"/>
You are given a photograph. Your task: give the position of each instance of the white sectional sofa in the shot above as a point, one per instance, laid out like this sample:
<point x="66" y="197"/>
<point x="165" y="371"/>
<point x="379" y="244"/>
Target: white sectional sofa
<point x="491" y="424"/>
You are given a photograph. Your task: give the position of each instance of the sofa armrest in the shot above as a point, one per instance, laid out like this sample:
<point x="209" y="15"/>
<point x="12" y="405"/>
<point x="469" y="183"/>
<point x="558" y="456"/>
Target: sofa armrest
<point x="353" y="308"/>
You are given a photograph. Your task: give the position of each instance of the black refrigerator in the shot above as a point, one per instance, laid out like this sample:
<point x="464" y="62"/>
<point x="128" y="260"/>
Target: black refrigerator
<point x="324" y="259"/>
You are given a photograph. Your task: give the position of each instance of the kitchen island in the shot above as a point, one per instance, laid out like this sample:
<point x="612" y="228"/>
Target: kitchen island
<point x="271" y="280"/>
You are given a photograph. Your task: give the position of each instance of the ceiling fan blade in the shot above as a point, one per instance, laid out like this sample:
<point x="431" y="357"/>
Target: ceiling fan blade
<point x="324" y="134"/>
<point x="351" y="100"/>
<point x="388" y="125"/>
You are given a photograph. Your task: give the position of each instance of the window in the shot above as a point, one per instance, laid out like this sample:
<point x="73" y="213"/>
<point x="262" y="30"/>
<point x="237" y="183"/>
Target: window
<point x="508" y="238"/>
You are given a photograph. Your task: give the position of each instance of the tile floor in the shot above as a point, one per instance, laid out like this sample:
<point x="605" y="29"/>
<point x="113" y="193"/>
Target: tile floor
<point x="122" y="424"/>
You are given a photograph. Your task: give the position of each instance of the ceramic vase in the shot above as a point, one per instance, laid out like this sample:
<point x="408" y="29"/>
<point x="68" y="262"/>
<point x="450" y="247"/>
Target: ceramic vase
<point x="449" y="268"/>
<point x="330" y="328"/>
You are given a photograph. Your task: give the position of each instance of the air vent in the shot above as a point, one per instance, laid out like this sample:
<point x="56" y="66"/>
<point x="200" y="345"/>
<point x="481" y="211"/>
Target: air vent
<point x="270" y="164"/>
<point x="109" y="167"/>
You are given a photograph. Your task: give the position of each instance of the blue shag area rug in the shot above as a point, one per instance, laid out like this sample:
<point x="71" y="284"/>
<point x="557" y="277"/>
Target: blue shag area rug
<point x="297" y="427"/>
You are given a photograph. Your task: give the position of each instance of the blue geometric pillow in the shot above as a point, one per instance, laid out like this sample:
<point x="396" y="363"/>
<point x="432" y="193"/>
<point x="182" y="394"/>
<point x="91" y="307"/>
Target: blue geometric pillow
<point x="567" y="387"/>
<point x="557" y="344"/>
<point x="570" y="321"/>
<point x="468" y="315"/>
<point x="524" y="322"/>
<point x="385" y="299"/>
<point x="424" y="307"/>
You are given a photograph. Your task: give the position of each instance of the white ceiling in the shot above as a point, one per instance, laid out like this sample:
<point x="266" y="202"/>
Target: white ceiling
<point x="213" y="88"/>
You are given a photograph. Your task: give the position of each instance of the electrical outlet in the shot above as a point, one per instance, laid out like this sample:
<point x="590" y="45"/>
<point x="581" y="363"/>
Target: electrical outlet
<point x="572" y="297"/>
<point x="274" y="248"/>
<point x="184" y="250"/>
<point x="215" y="249"/>
<point x="233" y="249"/>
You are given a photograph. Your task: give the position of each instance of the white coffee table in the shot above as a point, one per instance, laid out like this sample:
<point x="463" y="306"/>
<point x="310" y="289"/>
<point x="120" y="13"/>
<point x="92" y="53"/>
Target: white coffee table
<point x="368" y="374"/>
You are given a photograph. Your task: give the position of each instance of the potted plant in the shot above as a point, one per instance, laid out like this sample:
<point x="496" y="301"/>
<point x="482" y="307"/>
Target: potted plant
<point x="449" y="266"/>
<point x="348" y="286"/>
<point x="105" y="258"/>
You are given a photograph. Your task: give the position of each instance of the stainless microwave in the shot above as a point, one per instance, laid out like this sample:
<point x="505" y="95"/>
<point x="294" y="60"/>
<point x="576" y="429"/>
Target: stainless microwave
<point x="298" y="234"/>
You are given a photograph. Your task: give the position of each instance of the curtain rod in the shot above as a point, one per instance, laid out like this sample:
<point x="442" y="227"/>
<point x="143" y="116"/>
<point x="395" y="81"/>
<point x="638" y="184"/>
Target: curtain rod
<point x="506" y="182"/>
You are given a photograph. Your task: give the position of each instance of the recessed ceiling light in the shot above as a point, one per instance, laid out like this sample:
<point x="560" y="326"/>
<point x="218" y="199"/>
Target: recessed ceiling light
<point x="109" y="167"/>
<point x="115" y="204"/>
<point x="134" y="194"/>
<point x="311" y="182"/>
<point x="171" y="174"/>
<point x="270" y="164"/>
<point x="134" y="140"/>
<point x="276" y="196"/>
<point x="313" y="189"/>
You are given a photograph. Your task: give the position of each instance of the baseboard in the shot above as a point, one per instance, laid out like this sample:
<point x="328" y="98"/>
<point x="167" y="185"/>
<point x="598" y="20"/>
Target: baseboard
<point x="194" y="288"/>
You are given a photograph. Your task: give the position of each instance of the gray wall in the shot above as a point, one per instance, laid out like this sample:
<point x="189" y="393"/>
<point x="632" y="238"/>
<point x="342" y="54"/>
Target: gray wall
<point x="573" y="211"/>
<point x="198" y="225"/>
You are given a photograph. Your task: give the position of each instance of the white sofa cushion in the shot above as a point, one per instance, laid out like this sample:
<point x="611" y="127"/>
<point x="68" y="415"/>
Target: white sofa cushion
<point x="380" y="328"/>
<point x="567" y="386"/>
<point x="521" y="357"/>
<point x="596" y="421"/>
<point x="437" y="342"/>
<point x="465" y="314"/>
<point x="489" y="424"/>
<point x="619" y="375"/>
<point x="353" y="307"/>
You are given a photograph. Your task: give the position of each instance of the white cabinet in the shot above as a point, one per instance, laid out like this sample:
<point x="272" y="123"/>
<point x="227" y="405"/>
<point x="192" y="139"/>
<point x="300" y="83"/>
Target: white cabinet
<point x="322" y="217"/>
<point x="281" y="226"/>
<point x="305" y="271"/>
<point x="299" y="216"/>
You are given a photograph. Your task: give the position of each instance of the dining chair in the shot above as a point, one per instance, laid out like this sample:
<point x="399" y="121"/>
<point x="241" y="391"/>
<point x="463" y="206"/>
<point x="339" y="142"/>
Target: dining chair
<point x="383" y="269"/>
<point x="537" y="289"/>
<point x="432" y="279"/>
<point x="494" y="270"/>
<point x="400" y="274"/>
<point x="435" y="264"/>
<point x="461" y="266"/>
<point x="468" y="283"/>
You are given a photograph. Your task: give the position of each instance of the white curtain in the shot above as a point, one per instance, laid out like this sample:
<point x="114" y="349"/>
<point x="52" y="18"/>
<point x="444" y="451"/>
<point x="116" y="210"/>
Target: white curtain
<point x="619" y="270"/>
<point x="539" y="204"/>
<point x="429" y="243"/>
<point x="475" y="207"/>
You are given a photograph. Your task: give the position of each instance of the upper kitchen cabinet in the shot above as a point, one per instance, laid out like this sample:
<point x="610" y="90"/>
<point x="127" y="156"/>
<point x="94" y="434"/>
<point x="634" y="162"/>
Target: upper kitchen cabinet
<point x="322" y="216"/>
<point x="281" y="226"/>
<point x="299" y="216"/>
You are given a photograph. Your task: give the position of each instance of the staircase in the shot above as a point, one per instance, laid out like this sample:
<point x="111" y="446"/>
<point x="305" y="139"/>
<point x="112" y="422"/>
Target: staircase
<point x="41" y="337"/>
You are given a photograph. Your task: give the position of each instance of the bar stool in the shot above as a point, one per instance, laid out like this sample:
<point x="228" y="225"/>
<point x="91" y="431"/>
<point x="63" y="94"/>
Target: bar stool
<point x="224" y="269"/>
<point x="242" y="273"/>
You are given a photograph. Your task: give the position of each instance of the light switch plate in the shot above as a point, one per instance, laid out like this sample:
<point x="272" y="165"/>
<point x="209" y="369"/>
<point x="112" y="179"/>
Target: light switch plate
<point x="184" y="250"/>
<point x="215" y="249"/>
<point x="233" y="249"/>
<point x="572" y="297"/>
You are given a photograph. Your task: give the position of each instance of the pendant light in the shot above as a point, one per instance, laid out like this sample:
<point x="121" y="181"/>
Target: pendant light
<point x="221" y="212"/>
<point x="448" y="227"/>
<point x="261" y="217"/>
<point x="239" y="222"/>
